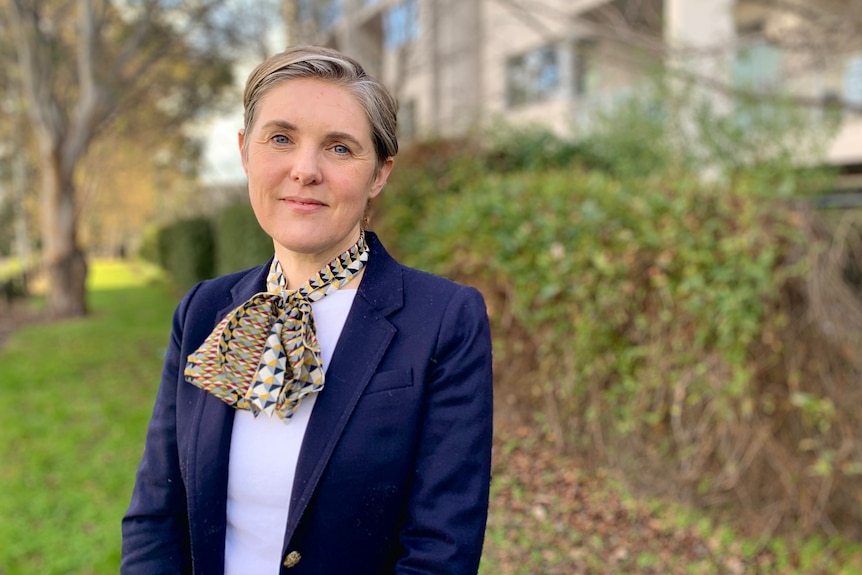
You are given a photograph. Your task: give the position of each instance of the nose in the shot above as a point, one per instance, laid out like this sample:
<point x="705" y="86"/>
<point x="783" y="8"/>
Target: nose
<point x="306" y="167"/>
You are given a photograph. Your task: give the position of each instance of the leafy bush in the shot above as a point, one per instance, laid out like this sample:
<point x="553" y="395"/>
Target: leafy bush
<point x="424" y="174"/>
<point x="148" y="250"/>
<point x="663" y="320"/>
<point x="533" y="149"/>
<point x="701" y="327"/>
<point x="240" y="242"/>
<point x="194" y="249"/>
<point x="7" y="229"/>
<point x="186" y="251"/>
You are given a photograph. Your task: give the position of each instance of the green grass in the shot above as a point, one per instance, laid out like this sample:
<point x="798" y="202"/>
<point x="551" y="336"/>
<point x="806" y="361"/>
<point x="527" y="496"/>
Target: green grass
<point x="76" y="397"/>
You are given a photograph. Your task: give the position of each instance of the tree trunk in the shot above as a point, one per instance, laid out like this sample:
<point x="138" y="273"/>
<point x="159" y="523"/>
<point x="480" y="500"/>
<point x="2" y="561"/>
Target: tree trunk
<point x="64" y="261"/>
<point x="288" y="15"/>
<point x="21" y="243"/>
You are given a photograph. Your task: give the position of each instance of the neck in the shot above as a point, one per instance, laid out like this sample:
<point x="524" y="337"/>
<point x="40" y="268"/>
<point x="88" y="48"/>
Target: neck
<point x="296" y="271"/>
<point x="299" y="267"/>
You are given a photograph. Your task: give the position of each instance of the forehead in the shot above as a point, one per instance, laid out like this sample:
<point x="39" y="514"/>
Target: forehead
<point x="312" y="103"/>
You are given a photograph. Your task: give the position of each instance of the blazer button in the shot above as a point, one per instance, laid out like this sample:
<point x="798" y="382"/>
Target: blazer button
<point x="292" y="559"/>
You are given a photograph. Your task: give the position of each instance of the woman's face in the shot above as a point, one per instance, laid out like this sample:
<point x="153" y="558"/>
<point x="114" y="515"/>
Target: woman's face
<point x="310" y="163"/>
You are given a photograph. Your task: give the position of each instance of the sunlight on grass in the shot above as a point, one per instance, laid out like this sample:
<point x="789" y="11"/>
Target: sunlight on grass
<point x="9" y="268"/>
<point x="112" y="274"/>
<point x="77" y="396"/>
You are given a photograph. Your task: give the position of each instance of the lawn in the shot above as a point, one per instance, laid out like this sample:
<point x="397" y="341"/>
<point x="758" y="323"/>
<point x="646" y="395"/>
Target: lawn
<point x="76" y="397"/>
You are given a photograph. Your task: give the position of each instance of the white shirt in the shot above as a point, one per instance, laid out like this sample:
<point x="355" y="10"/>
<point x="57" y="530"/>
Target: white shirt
<point x="263" y="456"/>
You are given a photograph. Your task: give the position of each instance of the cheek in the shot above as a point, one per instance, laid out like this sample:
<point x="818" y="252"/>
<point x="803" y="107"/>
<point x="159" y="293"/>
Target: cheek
<point x="263" y="182"/>
<point x="262" y="164"/>
<point x="262" y="170"/>
<point x="258" y="206"/>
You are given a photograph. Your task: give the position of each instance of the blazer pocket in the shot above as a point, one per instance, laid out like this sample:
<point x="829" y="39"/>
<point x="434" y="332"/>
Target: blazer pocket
<point x="390" y="381"/>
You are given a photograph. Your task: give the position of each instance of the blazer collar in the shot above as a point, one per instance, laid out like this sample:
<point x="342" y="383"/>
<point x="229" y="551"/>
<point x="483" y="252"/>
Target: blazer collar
<point x="381" y="285"/>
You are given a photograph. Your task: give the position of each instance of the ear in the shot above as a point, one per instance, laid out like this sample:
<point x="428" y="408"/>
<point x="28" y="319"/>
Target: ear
<point x="382" y="176"/>
<point x="243" y="157"/>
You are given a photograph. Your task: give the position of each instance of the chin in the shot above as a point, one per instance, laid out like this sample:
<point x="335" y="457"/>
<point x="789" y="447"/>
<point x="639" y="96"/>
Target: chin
<point x="306" y="244"/>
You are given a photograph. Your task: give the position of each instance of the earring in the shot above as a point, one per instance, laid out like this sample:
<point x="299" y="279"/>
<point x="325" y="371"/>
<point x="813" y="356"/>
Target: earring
<point x="363" y="223"/>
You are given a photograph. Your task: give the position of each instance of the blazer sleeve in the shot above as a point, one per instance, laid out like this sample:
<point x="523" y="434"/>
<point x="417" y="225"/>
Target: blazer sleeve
<point x="448" y="503"/>
<point x="155" y="527"/>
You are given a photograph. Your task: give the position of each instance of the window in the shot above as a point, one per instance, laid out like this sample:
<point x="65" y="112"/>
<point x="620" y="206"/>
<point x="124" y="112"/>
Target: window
<point x="401" y="24"/>
<point x="758" y="67"/>
<point x="853" y="81"/>
<point x="407" y="121"/>
<point x="586" y="68"/>
<point x="532" y="77"/>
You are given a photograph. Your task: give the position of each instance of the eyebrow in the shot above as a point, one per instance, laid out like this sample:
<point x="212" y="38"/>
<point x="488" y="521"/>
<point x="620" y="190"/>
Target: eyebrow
<point x="330" y="135"/>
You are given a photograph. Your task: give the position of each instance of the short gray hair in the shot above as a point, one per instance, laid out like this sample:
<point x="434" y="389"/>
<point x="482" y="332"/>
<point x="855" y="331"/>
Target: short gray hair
<point x="328" y="65"/>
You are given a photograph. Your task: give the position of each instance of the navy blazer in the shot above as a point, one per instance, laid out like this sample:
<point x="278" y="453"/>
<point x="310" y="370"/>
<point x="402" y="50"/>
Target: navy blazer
<point x="394" y="470"/>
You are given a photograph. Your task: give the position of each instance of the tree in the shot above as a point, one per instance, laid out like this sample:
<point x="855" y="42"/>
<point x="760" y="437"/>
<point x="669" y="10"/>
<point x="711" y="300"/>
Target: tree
<point x="87" y="64"/>
<point x="139" y="171"/>
<point x="15" y="161"/>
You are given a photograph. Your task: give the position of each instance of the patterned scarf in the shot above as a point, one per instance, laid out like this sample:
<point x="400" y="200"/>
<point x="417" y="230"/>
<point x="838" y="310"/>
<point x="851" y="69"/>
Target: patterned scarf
<point x="264" y="355"/>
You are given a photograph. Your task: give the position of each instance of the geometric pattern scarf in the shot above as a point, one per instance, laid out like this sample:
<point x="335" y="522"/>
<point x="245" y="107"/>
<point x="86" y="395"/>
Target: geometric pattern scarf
<point x="264" y="355"/>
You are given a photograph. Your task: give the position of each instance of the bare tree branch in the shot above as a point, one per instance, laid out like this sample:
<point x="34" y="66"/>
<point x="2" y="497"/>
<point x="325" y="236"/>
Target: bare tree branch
<point x="35" y="73"/>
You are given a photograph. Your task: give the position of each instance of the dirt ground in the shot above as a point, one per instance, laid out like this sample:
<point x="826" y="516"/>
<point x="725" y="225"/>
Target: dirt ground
<point x="13" y="316"/>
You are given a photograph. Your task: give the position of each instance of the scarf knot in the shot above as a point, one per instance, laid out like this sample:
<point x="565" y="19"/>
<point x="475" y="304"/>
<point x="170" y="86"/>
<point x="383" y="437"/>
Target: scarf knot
<point x="264" y="355"/>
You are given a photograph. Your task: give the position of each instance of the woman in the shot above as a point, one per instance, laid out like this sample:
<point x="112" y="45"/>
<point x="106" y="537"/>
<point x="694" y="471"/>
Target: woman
<point x="328" y="412"/>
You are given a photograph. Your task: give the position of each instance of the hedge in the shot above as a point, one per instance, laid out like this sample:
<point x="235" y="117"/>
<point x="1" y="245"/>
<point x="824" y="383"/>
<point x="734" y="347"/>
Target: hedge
<point x="186" y="251"/>
<point x="698" y="335"/>
<point x="195" y="249"/>
<point x="240" y="242"/>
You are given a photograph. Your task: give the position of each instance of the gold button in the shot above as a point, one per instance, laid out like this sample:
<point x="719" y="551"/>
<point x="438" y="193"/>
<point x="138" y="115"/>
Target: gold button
<point x="292" y="559"/>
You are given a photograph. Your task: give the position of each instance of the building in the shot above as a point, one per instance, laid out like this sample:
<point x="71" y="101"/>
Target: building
<point x="460" y="64"/>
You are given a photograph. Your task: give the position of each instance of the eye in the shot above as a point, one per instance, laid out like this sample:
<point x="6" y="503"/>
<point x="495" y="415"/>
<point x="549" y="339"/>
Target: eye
<point x="280" y="139"/>
<point x="341" y="149"/>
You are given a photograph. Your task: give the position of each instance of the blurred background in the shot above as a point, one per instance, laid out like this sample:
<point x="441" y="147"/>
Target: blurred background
<point x="659" y="199"/>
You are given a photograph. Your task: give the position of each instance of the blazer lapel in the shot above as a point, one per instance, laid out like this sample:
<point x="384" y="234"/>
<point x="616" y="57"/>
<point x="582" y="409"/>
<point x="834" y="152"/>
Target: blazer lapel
<point x="364" y="339"/>
<point x="209" y="449"/>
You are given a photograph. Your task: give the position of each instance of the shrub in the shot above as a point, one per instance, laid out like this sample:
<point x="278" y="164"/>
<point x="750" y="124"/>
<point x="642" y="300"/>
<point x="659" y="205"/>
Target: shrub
<point x="701" y="327"/>
<point x="425" y="173"/>
<point x="149" y="246"/>
<point x="239" y="240"/>
<point x="664" y="321"/>
<point x="186" y="251"/>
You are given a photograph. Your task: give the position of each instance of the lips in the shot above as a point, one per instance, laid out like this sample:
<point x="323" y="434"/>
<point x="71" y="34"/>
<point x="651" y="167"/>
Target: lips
<point x="302" y="201"/>
<point x="303" y="206"/>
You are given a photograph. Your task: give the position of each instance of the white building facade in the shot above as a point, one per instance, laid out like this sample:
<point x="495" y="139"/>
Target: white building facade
<point x="458" y="65"/>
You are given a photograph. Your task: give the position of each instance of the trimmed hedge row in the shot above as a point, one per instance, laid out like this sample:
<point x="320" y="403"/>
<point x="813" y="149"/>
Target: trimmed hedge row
<point x="239" y="241"/>
<point x="198" y="248"/>
<point x="185" y="250"/>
